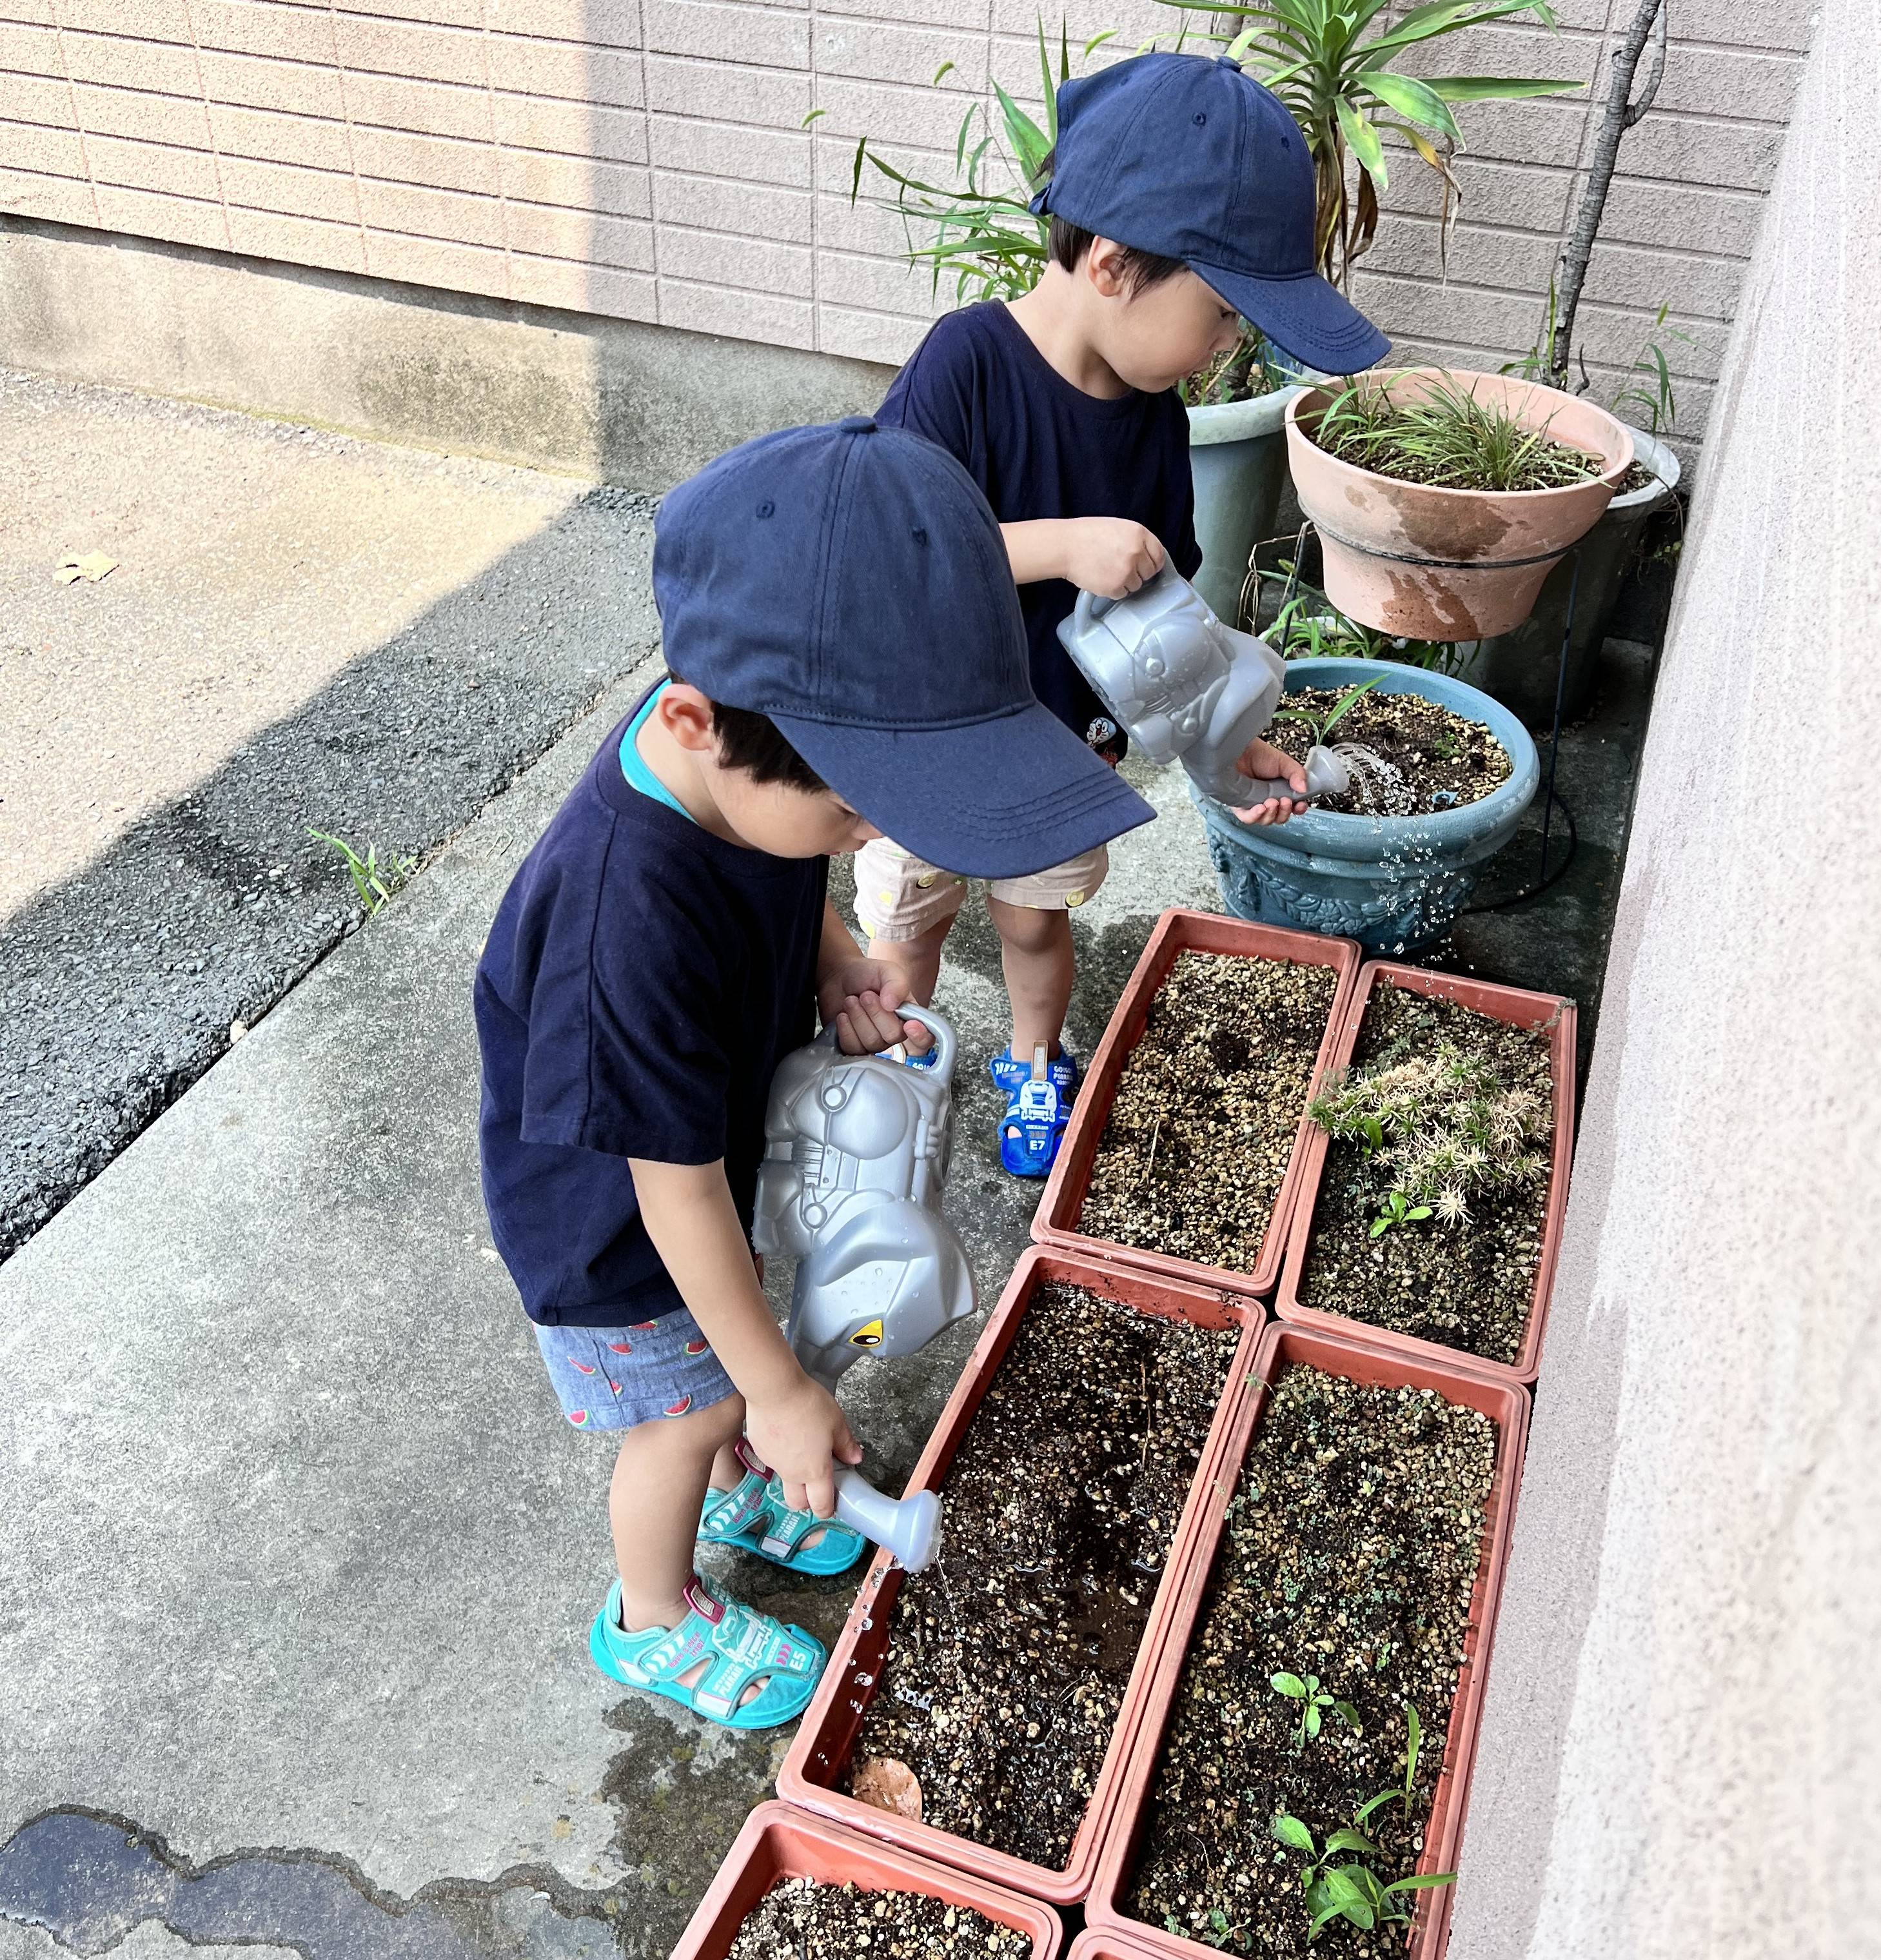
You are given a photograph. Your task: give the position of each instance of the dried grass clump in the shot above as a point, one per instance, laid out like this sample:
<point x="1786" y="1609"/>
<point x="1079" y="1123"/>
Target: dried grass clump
<point x="1439" y="1124"/>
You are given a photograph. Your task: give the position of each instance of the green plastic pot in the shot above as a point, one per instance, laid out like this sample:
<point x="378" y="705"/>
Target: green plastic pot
<point x="1238" y="453"/>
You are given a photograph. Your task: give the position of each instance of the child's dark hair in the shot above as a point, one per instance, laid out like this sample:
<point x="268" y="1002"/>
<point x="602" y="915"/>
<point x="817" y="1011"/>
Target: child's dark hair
<point x="1069" y="242"/>
<point x="752" y="741"/>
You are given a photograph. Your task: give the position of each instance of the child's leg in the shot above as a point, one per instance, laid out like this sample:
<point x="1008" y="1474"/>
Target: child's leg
<point x="907" y="906"/>
<point x="1035" y="949"/>
<point x="1033" y="917"/>
<point x="659" y="1483"/>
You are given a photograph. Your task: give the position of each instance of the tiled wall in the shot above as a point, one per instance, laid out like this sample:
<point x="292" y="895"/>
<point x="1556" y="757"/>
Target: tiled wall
<point x="649" y="159"/>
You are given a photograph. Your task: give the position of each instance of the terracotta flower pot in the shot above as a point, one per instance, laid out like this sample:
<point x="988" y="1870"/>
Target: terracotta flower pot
<point x="1179" y="1612"/>
<point x="1435" y="564"/>
<point x="779" y="1843"/>
<point x="1056" y="1221"/>
<point x="820" y="1751"/>
<point x="1521" y="1009"/>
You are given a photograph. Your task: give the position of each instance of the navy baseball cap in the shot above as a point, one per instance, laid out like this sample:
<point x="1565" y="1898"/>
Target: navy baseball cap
<point x="1190" y="158"/>
<point x="850" y="582"/>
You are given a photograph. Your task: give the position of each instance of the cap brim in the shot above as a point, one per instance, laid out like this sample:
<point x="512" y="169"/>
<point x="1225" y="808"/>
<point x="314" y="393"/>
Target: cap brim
<point x="1001" y="798"/>
<point x="1305" y="316"/>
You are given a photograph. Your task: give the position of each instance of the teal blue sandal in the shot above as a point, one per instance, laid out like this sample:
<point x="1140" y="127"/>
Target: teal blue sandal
<point x="743" y="1646"/>
<point x="755" y="1516"/>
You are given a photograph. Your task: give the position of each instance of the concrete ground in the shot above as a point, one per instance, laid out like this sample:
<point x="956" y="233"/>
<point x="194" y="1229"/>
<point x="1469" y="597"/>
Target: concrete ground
<point x="303" y="629"/>
<point x="300" y="1557"/>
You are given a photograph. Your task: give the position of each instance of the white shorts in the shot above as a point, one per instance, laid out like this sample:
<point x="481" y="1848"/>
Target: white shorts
<point x="900" y="896"/>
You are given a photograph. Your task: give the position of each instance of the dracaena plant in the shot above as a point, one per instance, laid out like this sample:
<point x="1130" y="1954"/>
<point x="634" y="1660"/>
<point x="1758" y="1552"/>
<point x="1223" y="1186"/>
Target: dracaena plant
<point x="1337" y="77"/>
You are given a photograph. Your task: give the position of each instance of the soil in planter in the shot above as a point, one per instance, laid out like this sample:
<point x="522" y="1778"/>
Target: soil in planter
<point x="1469" y="1285"/>
<point x="1008" y="1660"/>
<point x="806" y="1919"/>
<point x="1350" y="1552"/>
<point x="1200" y="1133"/>
<point x="1444" y="760"/>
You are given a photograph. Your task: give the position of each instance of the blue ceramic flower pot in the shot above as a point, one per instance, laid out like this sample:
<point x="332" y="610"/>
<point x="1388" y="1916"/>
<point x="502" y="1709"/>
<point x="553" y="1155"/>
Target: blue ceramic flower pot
<point x="1394" y="884"/>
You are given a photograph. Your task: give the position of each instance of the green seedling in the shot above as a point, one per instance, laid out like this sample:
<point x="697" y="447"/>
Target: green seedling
<point x="1314" y="1702"/>
<point x="1396" y="1210"/>
<point x="1220" y="1931"/>
<point x="1309" y="626"/>
<point x="374" y="882"/>
<point x="1322" y="726"/>
<point x="1352" y="1891"/>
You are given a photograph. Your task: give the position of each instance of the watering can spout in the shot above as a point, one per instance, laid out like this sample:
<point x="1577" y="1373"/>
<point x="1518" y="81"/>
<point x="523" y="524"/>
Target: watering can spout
<point x="909" y="1527"/>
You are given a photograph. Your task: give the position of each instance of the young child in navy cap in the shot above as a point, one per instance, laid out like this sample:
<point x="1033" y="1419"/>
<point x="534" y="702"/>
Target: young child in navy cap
<point x="1181" y="198"/>
<point x="847" y="656"/>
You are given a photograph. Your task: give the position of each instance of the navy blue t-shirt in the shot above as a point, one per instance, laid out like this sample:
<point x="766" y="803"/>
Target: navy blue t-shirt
<point x="642" y="982"/>
<point x="1039" y="447"/>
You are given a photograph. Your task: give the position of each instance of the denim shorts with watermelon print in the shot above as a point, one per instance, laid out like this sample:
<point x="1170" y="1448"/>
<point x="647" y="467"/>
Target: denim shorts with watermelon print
<point x="619" y="1377"/>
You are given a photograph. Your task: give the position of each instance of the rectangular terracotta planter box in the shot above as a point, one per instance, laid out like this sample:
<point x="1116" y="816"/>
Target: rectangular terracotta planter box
<point x="1177" y="932"/>
<point x="1106" y="1942"/>
<point x="1179" y="1611"/>
<point x="779" y="1843"/>
<point x="1521" y="1009"/>
<point x="819" y="1754"/>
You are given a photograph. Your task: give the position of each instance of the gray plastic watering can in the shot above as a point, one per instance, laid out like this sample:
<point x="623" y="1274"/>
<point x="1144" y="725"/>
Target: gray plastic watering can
<point x="1185" y="688"/>
<point x="856" y="1149"/>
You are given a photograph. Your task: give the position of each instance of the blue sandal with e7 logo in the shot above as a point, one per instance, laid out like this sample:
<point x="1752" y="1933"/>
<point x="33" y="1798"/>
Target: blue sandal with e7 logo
<point x="755" y="1517"/>
<point x="1039" y="1097"/>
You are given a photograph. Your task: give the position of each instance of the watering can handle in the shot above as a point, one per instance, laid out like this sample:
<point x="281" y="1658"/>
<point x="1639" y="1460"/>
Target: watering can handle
<point x="941" y="1028"/>
<point x="1091" y="607"/>
<point x="946" y="1041"/>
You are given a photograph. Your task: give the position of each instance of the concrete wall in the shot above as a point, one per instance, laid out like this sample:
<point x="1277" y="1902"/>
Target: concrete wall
<point x="1680" y="1752"/>
<point x="647" y="160"/>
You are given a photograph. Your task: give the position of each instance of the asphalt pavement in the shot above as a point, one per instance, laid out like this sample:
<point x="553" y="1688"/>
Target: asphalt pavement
<point x="302" y="630"/>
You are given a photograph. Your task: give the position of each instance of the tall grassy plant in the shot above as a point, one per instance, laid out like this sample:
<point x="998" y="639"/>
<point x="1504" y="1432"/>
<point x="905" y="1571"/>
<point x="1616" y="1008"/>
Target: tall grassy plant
<point x="983" y="233"/>
<point x="1448" y="439"/>
<point x="1344" y="93"/>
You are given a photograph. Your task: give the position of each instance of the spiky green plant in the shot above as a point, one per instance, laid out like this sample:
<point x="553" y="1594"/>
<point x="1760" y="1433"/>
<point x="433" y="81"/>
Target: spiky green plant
<point x="1340" y="87"/>
<point x="1444" y="437"/>
<point x="983" y="232"/>
<point x="1437" y="1126"/>
<point x="1309" y="626"/>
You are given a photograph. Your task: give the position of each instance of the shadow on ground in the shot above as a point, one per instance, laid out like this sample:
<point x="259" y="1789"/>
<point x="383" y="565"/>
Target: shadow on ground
<point x="119" y="986"/>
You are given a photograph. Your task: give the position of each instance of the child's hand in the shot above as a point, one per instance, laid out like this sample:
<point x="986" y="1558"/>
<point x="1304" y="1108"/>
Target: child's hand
<point x="858" y="999"/>
<point x="1263" y="760"/>
<point x="1111" y="556"/>
<point x="802" y="1435"/>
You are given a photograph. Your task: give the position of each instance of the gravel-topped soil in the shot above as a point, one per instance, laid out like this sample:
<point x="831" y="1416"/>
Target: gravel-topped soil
<point x="1638" y="477"/>
<point x="1350" y="1553"/>
<point x="1445" y="760"/>
<point x="1199" y="1135"/>
<point x="1469" y="1285"/>
<point x="805" y="1919"/>
<point x="1007" y="1660"/>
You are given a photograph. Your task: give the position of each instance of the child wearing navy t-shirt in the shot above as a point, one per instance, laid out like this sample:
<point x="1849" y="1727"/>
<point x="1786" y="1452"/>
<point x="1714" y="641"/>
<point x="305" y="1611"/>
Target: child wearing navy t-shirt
<point x="1181" y="198"/>
<point x="669" y="939"/>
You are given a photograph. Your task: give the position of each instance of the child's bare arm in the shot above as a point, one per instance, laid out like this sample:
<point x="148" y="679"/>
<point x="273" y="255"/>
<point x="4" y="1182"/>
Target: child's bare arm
<point x="793" y="1424"/>
<point x="1110" y="555"/>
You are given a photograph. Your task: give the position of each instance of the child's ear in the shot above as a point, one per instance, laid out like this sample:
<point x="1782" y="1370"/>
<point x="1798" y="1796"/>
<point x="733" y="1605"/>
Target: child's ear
<point x="686" y="715"/>
<point x="1103" y="267"/>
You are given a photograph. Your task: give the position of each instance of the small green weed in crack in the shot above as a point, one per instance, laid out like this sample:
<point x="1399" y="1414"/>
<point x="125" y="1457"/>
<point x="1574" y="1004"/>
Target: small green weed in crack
<point x="375" y="882"/>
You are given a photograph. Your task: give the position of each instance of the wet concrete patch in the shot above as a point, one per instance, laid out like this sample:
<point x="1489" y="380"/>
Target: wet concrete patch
<point x="89" y="1879"/>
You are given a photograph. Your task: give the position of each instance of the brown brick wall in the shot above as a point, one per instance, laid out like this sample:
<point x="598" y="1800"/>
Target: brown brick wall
<point x="648" y="158"/>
